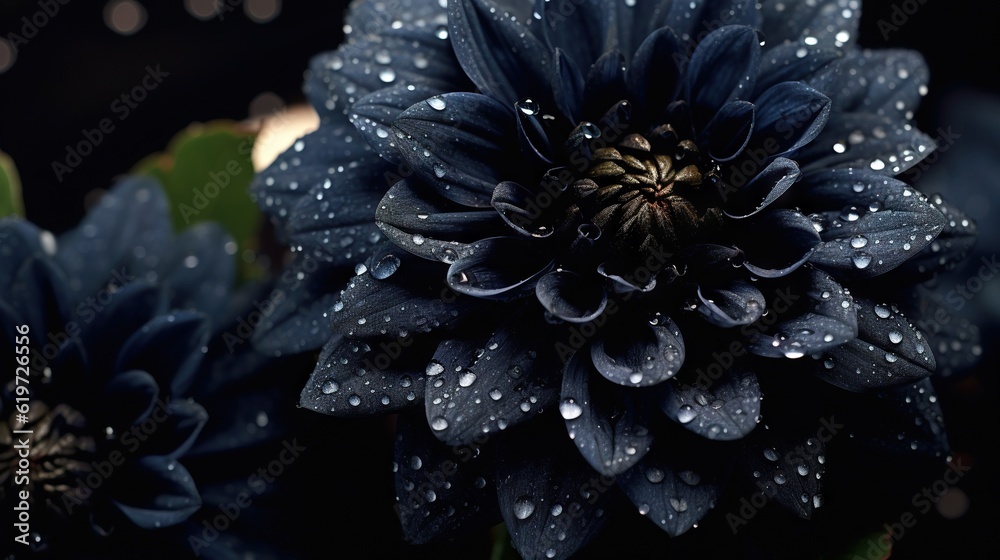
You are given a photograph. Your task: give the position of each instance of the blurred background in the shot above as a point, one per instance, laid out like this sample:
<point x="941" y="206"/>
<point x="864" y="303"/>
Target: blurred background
<point x="244" y="61"/>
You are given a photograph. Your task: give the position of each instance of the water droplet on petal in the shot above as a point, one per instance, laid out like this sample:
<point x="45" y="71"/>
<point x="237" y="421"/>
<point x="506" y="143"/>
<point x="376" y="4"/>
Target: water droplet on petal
<point x="330" y="387"/>
<point x="437" y="103"/>
<point x="438" y="424"/>
<point x="686" y="414"/>
<point x="523" y="507"/>
<point x="569" y="409"/>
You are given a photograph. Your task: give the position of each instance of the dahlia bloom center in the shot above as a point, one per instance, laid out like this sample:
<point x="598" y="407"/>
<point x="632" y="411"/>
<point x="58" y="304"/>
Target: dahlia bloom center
<point x="61" y="453"/>
<point x="651" y="189"/>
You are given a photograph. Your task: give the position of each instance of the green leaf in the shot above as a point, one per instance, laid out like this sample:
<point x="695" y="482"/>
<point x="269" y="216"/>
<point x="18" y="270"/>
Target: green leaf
<point x="10" y="188"/>
<point x="206" y="173"/>
<point x="503" y="549"/>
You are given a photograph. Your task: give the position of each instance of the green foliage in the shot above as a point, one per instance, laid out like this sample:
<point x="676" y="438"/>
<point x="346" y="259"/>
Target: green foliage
<point x="10" y="188"/>
<point x="206" y="173"/>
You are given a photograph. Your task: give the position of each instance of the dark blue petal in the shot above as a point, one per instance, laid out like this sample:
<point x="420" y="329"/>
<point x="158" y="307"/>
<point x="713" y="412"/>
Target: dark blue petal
<point x="722" y="68"/>
<point x="605" y="85"/>
<point x="824" y="23"/>
<point x="431" y="226"/>
<point x="870" y="224"/>
<point x="40" y="299"/>
<point x="333" y="157"/>
<point x="654" y="75"/>
<point x="498" y="53"/>
<point x="784" y="460"/>
<point x="403" y="303"/>
<point x="763" y="189"/>
<point x="886" y="83"/>
<point x="732" y="305"/>
<point x="728" y="409"/>
<point x="19" y="240"/>
<point x="867" y="142"/>
<point x="789" y="116"/>
<point x="948" y="249"/>
<point x="610" y="427"/>
<point x="178" y="426"/>
<point x="299" y="320"/>
<point x="639" y="354"/>
<point x="374" y="114"/>
<point x="499" y="268"/>
<point x="905" y="421"/>
<point x="792" y="62"/>
<point x="169" y="347"/>
<point x="541" y="475"/>
<point x="461" y="494"/>
<point x="675" y="490"/>
<point x="492" y="381"/>
<point x="729" y="131"/>
<point x="129" y="309"/>
<point x="567" y="86"/>
<point x="353" y="378"/>
<point x="155" y="492"/>
<point x="811" y="313"/>
<point x="201" y="270"/>
<point x="518" y="206"/>
<point x="130" y="397"/>
<point x="134" y="216"/>
<point x="459" y="143"/>
<point x="776" y="242"/>
<point x="570" y="296"/>
<point x="887" y="352"/>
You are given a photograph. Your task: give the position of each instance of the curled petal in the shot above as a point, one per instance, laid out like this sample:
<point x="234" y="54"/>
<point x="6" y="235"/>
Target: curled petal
<point x="571" y="297"/>
<point x="642" y="355"/>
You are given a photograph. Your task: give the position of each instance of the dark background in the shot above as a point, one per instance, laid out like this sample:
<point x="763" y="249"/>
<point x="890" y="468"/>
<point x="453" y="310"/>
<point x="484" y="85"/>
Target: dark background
<point x="66" y="77"/>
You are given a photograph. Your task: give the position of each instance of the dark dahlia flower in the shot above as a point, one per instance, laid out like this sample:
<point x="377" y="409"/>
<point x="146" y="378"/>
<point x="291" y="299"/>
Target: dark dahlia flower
<point x="625" y="222"/>
<point x="105" y="450"/>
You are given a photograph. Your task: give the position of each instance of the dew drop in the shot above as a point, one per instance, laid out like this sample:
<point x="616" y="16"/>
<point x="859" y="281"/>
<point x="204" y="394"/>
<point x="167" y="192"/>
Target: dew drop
<point x="862" y="260"/>
<point x="882" y="311"/>
<point x="437" y="103"/>
<point x="354" y="400"/>
<point x="654" y="475"/>
<point x="495" y="394"/>
<point x="679" y="505"/>
<point x="770" y="454"/>
<point x="386" y="267"/>
<point x="330" y="387"/>
<point x="895" y="337"/>
<point x="859" y="241"/>
<point x="523" y="507"/>
<point x="466" y="379"/>
<point x="569" y="409"/>
<point x="686" y="414"/>
<point x="434" y="368"/>
<point x="527" y="106"/>
<point x="438" y="424"/>
<point x="387" y="75"/>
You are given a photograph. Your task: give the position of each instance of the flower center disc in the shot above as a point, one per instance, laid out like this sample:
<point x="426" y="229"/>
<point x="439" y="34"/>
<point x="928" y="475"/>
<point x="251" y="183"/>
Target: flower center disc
<point x="61" y="452"/>
<point x="652" y="191"/>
